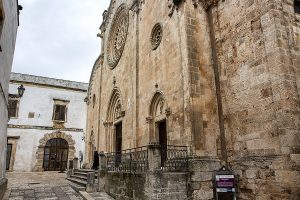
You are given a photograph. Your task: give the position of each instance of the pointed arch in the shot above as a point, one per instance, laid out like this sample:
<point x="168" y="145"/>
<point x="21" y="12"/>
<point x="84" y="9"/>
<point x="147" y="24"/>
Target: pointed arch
<point x="115" y="106"/>
<point x="157" y="116"/>
<point x="158" y="105"/>
<point x="113" y="124"/>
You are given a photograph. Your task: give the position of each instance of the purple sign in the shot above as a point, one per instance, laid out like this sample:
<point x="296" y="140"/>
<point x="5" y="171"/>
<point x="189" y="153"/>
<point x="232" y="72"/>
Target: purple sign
<point x="225" y="183"/>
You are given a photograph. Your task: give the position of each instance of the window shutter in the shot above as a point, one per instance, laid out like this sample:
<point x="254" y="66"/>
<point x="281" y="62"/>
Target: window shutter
<point x="60" y="112"/>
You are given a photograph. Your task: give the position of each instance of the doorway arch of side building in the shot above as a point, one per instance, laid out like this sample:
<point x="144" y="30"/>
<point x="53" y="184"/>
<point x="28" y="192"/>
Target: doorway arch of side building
<point x="53" y="152"/>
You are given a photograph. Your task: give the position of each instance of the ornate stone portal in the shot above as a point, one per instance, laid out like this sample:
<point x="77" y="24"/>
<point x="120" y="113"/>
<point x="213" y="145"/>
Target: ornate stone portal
<point x="40" y="151"/>
<point x="117" y="36"/>
<point x="115" y="113"/>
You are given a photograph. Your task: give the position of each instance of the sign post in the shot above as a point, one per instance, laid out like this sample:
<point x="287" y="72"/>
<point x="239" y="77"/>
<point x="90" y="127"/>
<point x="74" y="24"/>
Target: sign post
<point x="225" y="184"/>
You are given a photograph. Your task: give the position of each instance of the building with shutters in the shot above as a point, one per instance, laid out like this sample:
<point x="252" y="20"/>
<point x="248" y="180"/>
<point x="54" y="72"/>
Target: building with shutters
<point x="47" y="122"/>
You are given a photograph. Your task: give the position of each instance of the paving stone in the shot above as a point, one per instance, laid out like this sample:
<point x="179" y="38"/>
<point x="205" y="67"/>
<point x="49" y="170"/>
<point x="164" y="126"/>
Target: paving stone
<point x="40" y="186"/>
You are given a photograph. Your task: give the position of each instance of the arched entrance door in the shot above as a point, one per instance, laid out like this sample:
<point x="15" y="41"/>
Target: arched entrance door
<point x="56" y="155"/>
<point x="157" y="121"/>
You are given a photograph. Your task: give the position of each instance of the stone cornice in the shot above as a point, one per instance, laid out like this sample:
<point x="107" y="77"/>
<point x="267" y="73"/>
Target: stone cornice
<point x="43" y="128"/>
<point x="45" y="81"/>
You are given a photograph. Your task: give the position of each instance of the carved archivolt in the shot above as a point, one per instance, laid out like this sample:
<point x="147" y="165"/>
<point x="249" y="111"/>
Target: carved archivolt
<point x="115" y="109"/>
<point x="117" y="36"/>
<point x="158" y="107"/>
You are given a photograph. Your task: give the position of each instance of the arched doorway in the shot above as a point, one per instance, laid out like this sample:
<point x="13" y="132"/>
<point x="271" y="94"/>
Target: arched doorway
<point x="157" y="120"/>
<point x="56" y="155"/>
<point x="113" y="124"/>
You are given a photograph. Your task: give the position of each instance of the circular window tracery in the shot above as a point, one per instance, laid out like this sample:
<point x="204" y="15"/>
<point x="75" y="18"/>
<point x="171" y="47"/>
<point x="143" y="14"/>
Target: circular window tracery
<point x="156" y="36"/>
<point x="117" y="37"/>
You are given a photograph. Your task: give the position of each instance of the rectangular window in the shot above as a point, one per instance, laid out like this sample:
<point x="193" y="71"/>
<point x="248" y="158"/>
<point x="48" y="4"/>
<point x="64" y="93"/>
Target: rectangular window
<point x="59" y="112"/>
<point x="13" y="105"/>
<point x="297" y="6"/>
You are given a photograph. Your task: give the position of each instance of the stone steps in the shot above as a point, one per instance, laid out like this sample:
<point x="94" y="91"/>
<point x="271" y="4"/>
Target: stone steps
<point x="78" y="179"/>
<point x="76" y="187"/>
<point x="82" y="174"/>
<point x="95" y="196"/>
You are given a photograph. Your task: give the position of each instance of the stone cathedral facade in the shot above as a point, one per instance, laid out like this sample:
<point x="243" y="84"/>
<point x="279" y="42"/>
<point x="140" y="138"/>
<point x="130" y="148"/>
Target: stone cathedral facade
<point x="219" y="77"/>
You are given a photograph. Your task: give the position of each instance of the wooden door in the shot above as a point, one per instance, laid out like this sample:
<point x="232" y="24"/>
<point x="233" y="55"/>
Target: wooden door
<point x="56" y="155"/>
<point x="163" y="140"/>
<point x="118" y="147"/>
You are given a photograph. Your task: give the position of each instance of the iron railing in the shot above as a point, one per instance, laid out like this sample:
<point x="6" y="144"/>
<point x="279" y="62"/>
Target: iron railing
<point x="175" y="158"/>
<point x="130" y="160"/>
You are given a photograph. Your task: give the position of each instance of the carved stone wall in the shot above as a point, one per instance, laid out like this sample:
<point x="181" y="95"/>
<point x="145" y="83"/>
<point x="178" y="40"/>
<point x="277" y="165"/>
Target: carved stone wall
<point x="229" y="71"/>
<point x="40" y="151"/>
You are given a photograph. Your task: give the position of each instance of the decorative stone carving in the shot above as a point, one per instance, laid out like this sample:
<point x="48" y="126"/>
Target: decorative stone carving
<point x="205" y="3"/>
<point x="114" y="81"/>
<point x="118" y="110"/>
<point x="160" y="107"/>
<point x="101" y="58"/>
<point x="87" y="101"/>
<point x="104" y="15"/>
<point x="107" y="15"/>
<point x="172" y="5"/>
<point x="117" y="36"/>
<point x="149" y="120"/>
<point x="168" y="111"/>
<point x="156" y="36"/>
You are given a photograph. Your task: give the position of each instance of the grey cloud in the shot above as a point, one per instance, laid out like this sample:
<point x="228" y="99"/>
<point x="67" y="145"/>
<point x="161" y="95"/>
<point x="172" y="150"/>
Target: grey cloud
<point x="58" y="38"/>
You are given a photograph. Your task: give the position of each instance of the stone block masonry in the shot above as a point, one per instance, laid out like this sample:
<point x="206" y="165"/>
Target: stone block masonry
<point x="223" y="78"/>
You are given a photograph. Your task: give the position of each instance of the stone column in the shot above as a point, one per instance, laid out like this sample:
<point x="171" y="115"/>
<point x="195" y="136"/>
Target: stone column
<point x="154" y="156"/>
<point x="149" y="121"/>
<point x="75" y="163"/>
<point x="102" y="161"/>
<point x="102" y="171"/>
<point x="155" y="172"/>
<point x="90" y="186"/>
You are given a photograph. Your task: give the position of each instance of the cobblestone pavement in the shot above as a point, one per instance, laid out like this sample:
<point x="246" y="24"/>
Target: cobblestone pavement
<point x="39" y="186"/>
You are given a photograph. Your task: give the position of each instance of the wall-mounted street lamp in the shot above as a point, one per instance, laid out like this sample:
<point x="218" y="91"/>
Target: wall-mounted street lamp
<point x="21" y="90"/>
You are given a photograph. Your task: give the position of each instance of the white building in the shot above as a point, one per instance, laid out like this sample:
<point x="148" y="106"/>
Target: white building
<point x="8" y="32"/>
<point x="46" y="125"/>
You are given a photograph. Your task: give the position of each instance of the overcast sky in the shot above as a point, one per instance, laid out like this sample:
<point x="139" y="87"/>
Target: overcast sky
<point x="57" y="38"/>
